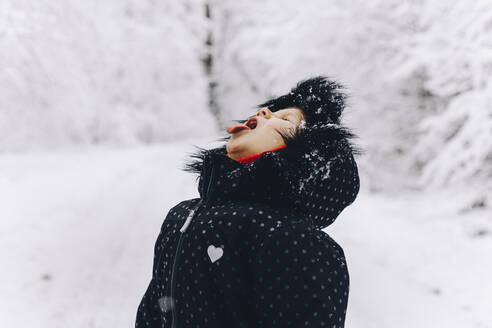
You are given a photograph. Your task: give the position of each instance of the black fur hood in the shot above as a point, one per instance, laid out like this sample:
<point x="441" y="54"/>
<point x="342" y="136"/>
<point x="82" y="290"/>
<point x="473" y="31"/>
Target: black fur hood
<point x="315" y="175"/>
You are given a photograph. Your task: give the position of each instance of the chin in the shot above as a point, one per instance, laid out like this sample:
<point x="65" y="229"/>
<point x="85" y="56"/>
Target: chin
<point x="238" y="145"/>
<point x="233" y="146"/>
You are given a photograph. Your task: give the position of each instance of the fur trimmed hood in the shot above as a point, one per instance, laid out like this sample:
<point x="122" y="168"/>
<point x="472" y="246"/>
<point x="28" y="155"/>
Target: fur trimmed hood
<point x="315" y="175"/>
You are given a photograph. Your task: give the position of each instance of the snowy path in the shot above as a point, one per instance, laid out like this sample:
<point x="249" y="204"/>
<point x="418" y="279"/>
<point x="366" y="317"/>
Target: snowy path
<point x="414" y="263"/>
<point x="77" y="231"/>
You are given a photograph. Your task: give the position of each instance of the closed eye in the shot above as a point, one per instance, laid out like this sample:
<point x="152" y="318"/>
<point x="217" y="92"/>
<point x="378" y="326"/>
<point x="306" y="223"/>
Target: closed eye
<point x="286" y="117"/>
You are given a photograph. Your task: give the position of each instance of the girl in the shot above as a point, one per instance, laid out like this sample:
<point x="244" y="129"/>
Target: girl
<point x="250" y="252"/>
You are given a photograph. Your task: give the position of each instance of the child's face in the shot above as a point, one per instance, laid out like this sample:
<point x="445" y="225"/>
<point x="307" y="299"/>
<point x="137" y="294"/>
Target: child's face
<point x="260" y="134"/>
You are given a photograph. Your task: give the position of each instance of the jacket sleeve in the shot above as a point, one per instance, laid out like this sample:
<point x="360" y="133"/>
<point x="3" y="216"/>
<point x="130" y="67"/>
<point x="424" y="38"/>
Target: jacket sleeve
<point x="300" y="280"/>
<point x="149" y="314"/>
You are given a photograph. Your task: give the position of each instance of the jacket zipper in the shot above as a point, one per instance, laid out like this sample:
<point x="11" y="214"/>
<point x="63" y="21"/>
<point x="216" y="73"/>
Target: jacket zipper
<point x="178" y="247"/>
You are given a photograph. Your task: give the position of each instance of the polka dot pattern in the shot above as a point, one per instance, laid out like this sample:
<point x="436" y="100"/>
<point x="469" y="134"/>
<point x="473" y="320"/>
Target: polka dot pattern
<point x="253" y="254"/>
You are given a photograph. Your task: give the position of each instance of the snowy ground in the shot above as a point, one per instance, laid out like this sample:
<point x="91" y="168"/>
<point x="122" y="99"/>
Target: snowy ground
<point x="77" y="230"/>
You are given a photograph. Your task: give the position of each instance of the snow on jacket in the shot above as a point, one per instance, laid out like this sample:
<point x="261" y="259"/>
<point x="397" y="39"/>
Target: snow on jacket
<point x="249" y="252"/>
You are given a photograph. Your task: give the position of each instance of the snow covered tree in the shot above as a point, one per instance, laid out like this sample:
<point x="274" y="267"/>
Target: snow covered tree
<point x="91" y="72"/>
<point x="418" y="73"/>
<point x="453" y="52"/>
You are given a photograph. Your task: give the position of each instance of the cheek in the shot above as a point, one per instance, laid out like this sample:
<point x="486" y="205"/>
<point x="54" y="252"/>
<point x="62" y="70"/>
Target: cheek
<point x="277" y="125"/>
<point x="280" y="125"/>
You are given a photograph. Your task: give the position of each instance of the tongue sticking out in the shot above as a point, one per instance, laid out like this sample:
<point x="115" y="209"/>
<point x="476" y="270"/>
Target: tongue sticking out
<point x="236" y="128"/>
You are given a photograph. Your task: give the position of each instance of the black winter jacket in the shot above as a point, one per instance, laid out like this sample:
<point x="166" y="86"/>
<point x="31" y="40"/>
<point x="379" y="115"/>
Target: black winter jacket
<point x="252" y="253"/>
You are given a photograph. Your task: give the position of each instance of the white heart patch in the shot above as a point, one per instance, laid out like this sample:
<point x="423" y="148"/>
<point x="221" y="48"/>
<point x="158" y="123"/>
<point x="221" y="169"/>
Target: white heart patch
<point x="214" y="253"/>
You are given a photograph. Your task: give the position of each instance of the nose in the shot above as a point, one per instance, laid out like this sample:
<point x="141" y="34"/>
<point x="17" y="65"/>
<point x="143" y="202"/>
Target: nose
<point x="264" y="112"/>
